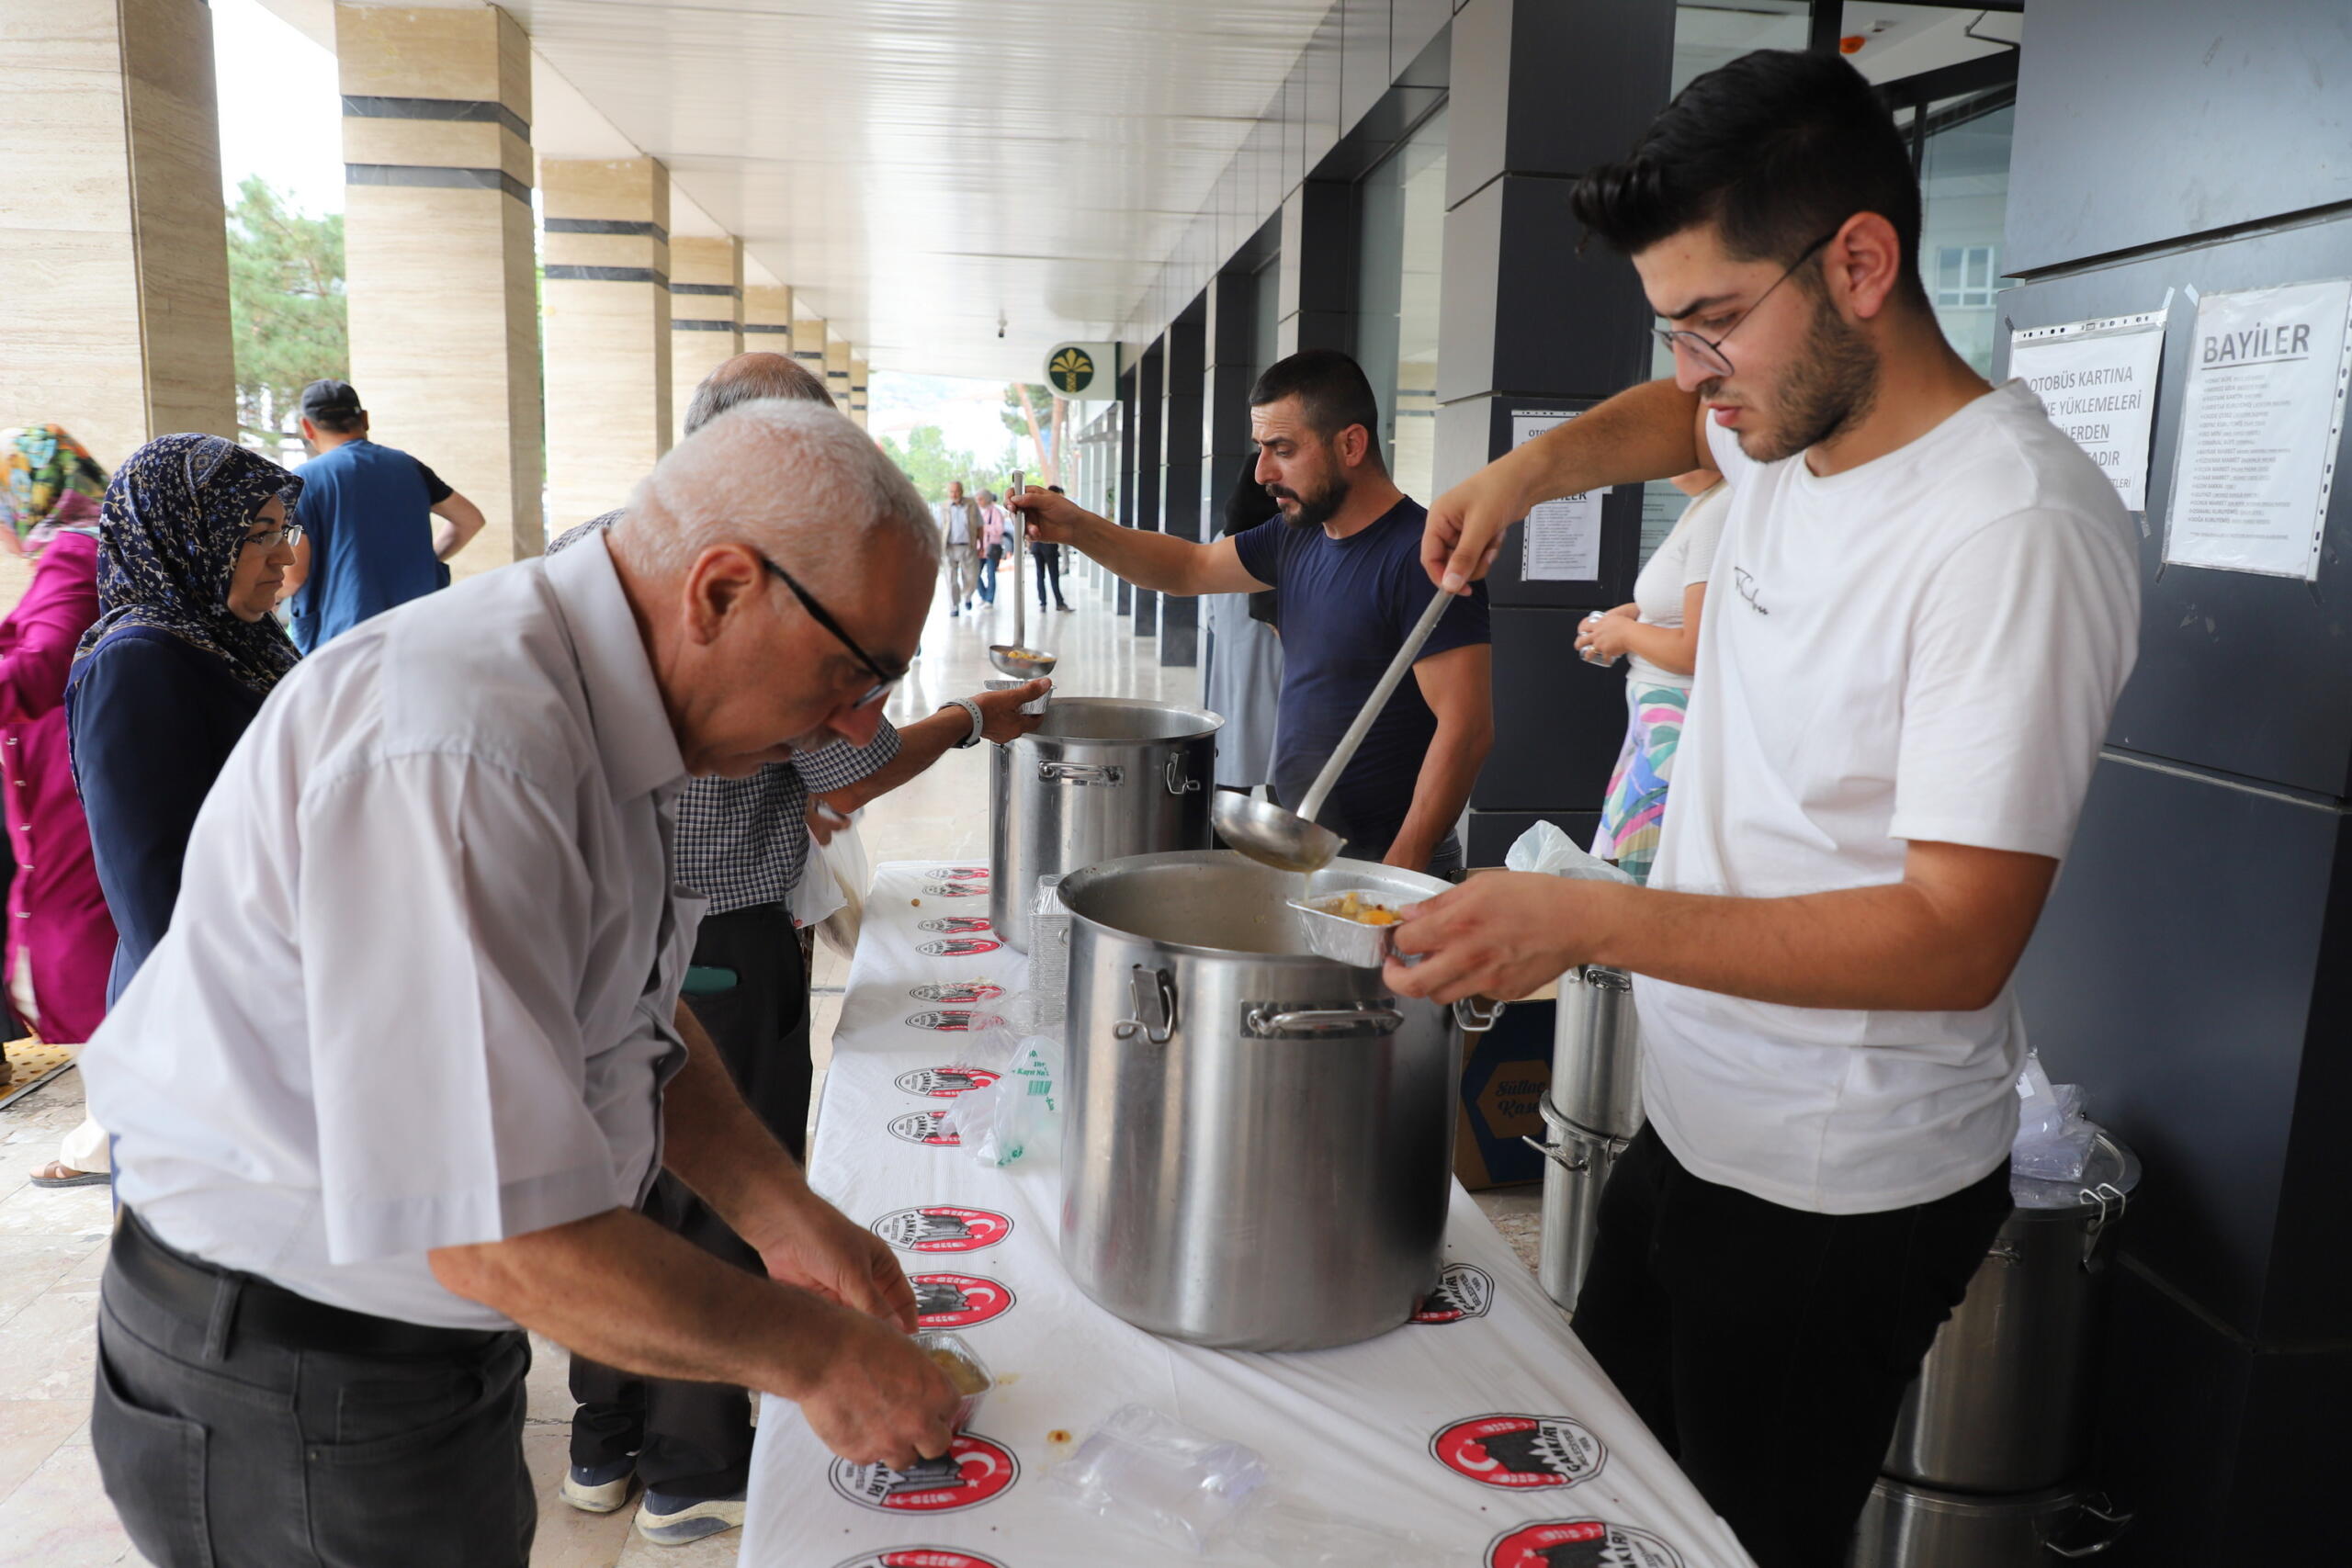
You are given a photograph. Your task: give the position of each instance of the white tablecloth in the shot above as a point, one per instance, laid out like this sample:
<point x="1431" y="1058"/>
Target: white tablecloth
<point x="1487" y="1429"/>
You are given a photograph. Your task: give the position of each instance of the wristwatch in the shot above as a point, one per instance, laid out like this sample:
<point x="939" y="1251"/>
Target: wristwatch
<point x="969" y="706"/>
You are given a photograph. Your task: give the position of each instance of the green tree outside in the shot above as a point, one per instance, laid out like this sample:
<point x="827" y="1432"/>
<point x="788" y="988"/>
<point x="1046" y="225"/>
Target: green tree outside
<point x="286" y="307"/>
<point x="929" y="463"/>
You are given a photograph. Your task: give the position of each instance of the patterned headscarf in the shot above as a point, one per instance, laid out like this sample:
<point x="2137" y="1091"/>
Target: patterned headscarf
<point x="175" y="522"/>
<point x="54" y="485"/>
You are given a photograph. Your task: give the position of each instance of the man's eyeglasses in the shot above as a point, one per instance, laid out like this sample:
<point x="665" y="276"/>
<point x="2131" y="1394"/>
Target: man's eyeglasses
<point x="884" y="681"/>
<point x="1708" y="352"/>
<point x="271" y="538"/>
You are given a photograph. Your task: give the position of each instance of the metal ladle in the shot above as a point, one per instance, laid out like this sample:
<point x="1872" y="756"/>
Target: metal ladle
<point x="1292" y="840"/>
<point x="1016" y="658"/>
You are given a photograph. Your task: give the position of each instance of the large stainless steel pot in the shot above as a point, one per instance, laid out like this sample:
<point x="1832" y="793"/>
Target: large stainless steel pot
<point x="1597" y="1052"/>
<point x="1577" y="1165"/>
<point x="1917" y="1527"/>
<point x="1257" y="1146"/>
<point x="1100" y="778"/>
<point x="2002" y="1403"/>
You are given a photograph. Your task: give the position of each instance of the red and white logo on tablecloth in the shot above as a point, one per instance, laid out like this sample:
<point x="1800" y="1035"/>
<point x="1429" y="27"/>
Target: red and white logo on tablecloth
<point x="957" y="991"/>
<point x="941" y="1228"/>
<point x="974" y="1470"/>
<point x="921" y="1557"/>
<point x="957" y="947"/>
<point x="1580" y="1543"/>
<point x="957" y="874"/>
<point x="1463" y="1291"/>
<point x="957" y="924"/>
<point x="945" y="1083"/>
<point x="954" y="1020"/>
<point x="959" y="1301"/>
<point x="925" y="1127"/>
<point x="957" y="889"/>
<point x="1515" y="1451"/>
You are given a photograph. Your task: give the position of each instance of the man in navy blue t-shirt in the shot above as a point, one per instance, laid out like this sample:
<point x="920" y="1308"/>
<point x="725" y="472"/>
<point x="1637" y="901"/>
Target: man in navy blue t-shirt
<point x="1345" y="556"/>
<point x="369" y="540"/>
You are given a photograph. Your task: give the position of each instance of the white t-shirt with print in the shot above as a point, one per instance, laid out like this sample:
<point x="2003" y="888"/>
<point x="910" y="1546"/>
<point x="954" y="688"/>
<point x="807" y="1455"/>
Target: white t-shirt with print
<point x="1686" y="556"/>
<point x="1928" y="646"/>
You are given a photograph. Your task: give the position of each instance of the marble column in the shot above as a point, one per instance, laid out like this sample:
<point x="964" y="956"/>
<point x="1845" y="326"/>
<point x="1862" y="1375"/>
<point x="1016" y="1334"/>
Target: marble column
<point x="837" y="369"/>
<point x="114" y="279"/>
<point x="604" y="307"/>
<point x="439" y="260"/>
<point x="767" y="318"/>
<point x="809" y="345"/>
<point x="706" y="311"/>
<point x="857" y="391"/>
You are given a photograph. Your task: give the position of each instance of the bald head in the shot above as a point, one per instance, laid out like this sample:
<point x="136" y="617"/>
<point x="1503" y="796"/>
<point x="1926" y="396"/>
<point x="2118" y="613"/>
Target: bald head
<point x="747" y="378"/>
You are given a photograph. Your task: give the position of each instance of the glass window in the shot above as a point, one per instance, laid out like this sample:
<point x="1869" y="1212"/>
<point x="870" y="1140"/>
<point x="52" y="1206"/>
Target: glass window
<point x="1964" y="196"/>
<point x="1401" y="246"/>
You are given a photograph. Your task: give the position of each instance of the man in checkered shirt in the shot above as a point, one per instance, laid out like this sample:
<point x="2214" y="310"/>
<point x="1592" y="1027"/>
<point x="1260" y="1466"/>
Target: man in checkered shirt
<point x="743" y="844"/>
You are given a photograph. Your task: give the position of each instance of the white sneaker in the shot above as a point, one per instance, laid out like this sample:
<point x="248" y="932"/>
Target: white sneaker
<point x="600" y="1490"/>
<point x="674" y="1522"/>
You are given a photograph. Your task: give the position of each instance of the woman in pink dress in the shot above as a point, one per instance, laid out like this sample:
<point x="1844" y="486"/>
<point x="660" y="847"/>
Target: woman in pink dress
<point x="60" y="941"/>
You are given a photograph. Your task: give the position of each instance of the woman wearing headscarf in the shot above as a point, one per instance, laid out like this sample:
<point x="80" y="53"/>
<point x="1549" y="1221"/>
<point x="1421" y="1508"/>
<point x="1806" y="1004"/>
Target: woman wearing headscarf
<point x="193" y="549"/>
<point x="59" y="940"/>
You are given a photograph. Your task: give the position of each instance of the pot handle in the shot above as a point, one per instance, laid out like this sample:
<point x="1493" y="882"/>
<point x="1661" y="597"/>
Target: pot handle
<point x="2097" y="1507"/>
<point x="1155" y="1006"/>
<point x="1557" y="1154"/>
<point x="1081" y="772"/>
<point x="1177" y="783"/>
<point x="1477" y="1014"/>
<point x="1266" y="1020"/>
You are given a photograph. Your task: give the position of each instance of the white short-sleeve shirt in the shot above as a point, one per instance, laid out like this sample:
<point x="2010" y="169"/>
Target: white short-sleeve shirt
<point x="1686" y="556"/>
<point x="1925" y="648"/>
<point x="417" y="990"/>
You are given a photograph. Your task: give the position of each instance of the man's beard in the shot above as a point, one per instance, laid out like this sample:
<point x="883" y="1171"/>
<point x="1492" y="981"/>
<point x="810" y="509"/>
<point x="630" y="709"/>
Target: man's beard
<point x="1829" y="388"/>
<point x="1314" y="511"/>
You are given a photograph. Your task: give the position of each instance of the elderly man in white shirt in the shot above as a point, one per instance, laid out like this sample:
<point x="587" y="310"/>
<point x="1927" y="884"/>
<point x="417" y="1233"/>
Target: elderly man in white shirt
<point x="391" y="1088"/>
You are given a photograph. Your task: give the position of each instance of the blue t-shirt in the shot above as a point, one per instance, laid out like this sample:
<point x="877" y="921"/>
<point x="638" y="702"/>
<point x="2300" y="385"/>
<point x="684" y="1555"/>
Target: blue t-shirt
<point x="1347" y="607"/>
<point x="367" y="513"/>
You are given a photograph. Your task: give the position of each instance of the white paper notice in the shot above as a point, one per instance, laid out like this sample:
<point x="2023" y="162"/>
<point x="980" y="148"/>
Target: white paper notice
<point x="2260" y="422"/>
<point x="2098" y="381"/>
<point x="1562" y="537"/>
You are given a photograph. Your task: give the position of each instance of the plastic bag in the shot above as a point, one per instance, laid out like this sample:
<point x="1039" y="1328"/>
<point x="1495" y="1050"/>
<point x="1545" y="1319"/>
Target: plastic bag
<point x="1146" y="1470"/>
<point x="830" y="894"/>
<point x="1545" y="849"/>
<point x="2054" y="1141"/>
<point x="1016" y="1114"/>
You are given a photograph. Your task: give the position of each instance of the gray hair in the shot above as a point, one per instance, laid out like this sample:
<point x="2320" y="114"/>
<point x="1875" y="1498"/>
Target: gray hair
<point x="788" y="479"/>
<point x="747" y="378"/>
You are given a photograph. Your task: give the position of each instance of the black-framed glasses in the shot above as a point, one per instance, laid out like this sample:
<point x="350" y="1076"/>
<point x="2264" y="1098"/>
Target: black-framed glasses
<point x="270" y="539"/>
<point x="1708" y="351"/>
<point x="884" y="681"/>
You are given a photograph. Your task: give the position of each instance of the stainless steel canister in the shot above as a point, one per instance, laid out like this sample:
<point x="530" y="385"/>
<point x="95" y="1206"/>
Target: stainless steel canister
<point x="2002" y="1403"/>
<point x="1597" y="1052"/>
<point x="1258" y="1141"/>
<point x="1905" y="1526"/>
<point x="1100" y="778"/>
<point x="1577" y="1162"/>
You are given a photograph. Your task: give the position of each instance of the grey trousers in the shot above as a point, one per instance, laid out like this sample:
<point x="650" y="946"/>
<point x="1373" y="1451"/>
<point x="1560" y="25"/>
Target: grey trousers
<point x="960" y="565"/>
<point x="222" y="1450"/>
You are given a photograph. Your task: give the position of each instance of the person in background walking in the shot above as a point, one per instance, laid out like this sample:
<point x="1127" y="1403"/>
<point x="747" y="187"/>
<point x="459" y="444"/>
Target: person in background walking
<point x="367" y="512"/>
<point x="1658" y="634"/>
<point x="1048" y="560"/>
<point x="991" y="544"/>
<point x="59" y="940"/>
<point x="960" y="531"/>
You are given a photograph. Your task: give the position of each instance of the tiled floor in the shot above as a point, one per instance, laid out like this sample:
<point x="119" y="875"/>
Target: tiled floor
<point x="53" y="1512"/>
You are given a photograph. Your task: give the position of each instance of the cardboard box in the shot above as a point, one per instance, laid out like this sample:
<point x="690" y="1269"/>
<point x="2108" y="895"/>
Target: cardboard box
<point x="1506" y="1072"/>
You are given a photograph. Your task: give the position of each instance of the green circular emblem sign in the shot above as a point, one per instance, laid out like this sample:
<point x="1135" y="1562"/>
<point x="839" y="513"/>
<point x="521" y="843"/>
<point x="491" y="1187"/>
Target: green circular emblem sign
<point x="1071" y="370"/>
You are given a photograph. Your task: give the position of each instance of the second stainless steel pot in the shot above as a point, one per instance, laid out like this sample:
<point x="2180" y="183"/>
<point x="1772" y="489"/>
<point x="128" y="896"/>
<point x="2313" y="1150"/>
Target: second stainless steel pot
<point x="1258" y="1141"/>
<point x="1597" y="1053"/>
<point x="1100" y="778"/>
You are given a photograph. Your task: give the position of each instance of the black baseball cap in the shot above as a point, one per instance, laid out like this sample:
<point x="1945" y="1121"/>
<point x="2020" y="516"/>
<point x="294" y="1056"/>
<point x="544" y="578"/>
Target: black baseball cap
<point x="331" y="397"/>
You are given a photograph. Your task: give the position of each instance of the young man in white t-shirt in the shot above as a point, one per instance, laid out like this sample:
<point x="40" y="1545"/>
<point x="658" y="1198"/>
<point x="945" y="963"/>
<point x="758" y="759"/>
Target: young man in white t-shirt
<point x="1924" y="605"/>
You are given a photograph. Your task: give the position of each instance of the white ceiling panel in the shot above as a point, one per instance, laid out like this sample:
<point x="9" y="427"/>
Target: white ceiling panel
<point x="917" y="169"/>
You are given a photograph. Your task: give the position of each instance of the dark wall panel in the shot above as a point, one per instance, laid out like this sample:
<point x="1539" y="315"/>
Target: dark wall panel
<point x="2146" y="120"/>
<point x="1559" y="721"/>
<point x="1492" y="833"/>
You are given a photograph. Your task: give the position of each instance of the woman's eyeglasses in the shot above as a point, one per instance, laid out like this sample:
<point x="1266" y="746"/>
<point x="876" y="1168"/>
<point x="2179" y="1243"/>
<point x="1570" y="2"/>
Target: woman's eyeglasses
<point x="270" y="538"/>
<point x="1709" y="351"/>
<point x="884" y="681"/>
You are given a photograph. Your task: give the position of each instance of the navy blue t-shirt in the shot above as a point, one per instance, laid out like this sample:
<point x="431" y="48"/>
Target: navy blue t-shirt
<point x="367" y="513"/>
<point x="1347" y="607"/>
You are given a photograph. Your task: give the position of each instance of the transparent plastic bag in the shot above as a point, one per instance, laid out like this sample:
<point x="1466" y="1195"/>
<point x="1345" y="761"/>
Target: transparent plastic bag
<point x="1546" y="850"/>
<point x="2054" y="1137"/>
<point x="1015" y="1115"/>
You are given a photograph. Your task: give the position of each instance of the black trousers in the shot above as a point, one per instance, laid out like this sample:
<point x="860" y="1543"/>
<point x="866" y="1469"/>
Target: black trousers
<point x="1048" y="564"/>
<point x="1768" y="1348"/>
<point x="693" y="1440"/>
<point x="222" y="1446"/>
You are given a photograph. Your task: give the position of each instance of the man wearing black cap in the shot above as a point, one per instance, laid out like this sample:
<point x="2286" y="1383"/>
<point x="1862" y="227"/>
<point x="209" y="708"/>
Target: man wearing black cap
<point x="369" y="542"/>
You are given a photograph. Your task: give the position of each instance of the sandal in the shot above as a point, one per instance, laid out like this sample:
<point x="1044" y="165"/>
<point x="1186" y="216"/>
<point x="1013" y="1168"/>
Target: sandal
<point x="68" y="1177"/>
